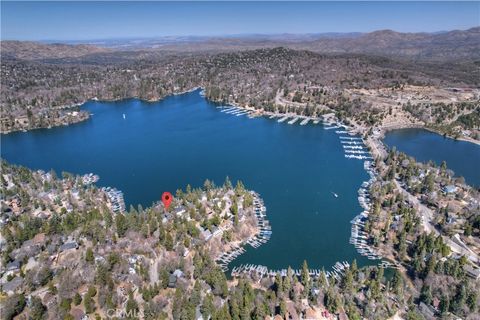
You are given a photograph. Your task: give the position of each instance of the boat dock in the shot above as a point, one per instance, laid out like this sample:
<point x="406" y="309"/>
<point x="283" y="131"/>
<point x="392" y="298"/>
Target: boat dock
<point x="258" y="271"/>
<point x="356" y="151"/>
<point x="115" y="198"/>
<point x="225" y="258"/>
<point x="331" y="127"/>
<point x="350" y="138"/>
<point x="359" y="157"/>
<point x="356" y="147"/>
<point x="244" y="112"/>
<point x="350" y="142"/>
<point x="236" y="111"/>
<point x="232" y="111"/>
<point x="293" y="120"/>
<point x="305" y="121"/>
<point x="264" y="234"/>
<point x="283" y="119"/>
<point x="359" y="237"/>
<point x="226" y="109"/>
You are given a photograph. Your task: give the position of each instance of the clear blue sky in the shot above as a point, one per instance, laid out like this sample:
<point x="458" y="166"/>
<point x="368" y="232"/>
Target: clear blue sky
<point x="101" y="20"/>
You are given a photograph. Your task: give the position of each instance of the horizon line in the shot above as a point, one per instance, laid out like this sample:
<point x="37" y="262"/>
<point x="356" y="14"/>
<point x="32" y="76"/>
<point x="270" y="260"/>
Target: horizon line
<point x="233" y="35"/>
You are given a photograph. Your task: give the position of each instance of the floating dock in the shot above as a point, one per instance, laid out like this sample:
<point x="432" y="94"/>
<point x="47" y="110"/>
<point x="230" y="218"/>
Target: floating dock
<point x="258" y="271"/>
<point x="293" y="120"/>
<point x="350" y="138"/>
<point x="332" y="127"/>
<point x="264" y="234"/>
<point x="304" y="122"/>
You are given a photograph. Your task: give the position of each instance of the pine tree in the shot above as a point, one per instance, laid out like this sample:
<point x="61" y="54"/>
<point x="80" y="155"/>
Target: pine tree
<point x="426" y="294"/>
<point x="444" y="304"/>
<point x="89" y="255"/>
<point x="278" y="284"/>
<point x="304" y="275"/>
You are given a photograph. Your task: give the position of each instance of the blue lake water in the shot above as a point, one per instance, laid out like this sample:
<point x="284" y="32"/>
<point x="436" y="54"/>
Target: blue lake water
<point x="185" y="139"/>
<point x="462" y="157"/>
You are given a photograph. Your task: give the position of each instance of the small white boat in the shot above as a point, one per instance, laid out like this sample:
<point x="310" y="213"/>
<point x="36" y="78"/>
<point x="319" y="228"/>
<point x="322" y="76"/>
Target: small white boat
<point x="335" y="195"/>
<point x="124" y="116"/>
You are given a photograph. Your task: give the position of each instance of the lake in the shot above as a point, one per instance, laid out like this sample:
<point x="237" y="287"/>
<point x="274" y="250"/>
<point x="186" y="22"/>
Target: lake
<point x="462" y="157"/>
<point x="185" y="139"/>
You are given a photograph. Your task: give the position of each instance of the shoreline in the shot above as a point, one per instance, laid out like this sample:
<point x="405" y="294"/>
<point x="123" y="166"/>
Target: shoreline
<point x="430" y="129"/>
<point x="94" y="99"/>
<point x="255" y="113"/>
<point x="349" y="129"/>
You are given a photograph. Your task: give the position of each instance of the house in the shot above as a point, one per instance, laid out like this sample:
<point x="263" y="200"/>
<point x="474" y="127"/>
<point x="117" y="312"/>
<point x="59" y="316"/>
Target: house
<point x="12" y="286"/>
<point x="180" y="211"/>
<point x="206" y="234"/>
<point x="52" y="248"/>
<point x="178" y="273"/>
<point x="28" y="249"/>
<point x="22" y="120"/>
<point x="310" y="314"/>
<point x="31" y="264"/>
<point x="78" y="314"/>
<point x="405" y="163"/>
<point x="69" y="246"/>
<point x="216" y="231"/>
<point x="133" y="259"/>
<point x="450" y="189"/>
<point x="472" y="272"/>
<point x="198" y="314"/>
<point x="13" y="266"/>
<point x="427" y="311"/>
<point x="172" y="281"/>
<point x="39" y="239"/>
<point x="16" y="205"/>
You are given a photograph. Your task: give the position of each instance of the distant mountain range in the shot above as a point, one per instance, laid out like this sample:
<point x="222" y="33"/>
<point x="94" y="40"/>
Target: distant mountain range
<point x="445" y="45"/>
<point x="28" y="50"/>
<point x="449" y="45"/>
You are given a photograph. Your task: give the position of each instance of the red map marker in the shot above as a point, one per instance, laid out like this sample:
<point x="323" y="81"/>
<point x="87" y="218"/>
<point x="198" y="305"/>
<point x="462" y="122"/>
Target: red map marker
<point x="167" y="199"/>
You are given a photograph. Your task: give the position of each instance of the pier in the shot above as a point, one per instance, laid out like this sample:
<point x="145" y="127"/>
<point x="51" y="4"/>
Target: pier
<point x="232" y="111"/>
<point x="350" y="138"/>
<point x="331" y="127"/>
<point x="293" y="120"/>
<point x="259" y="271"/>
<point x="305" y="121"/>
<point x="356" y="151"/>
<point x="356" y="147"/>
<point x="115" y="198"/>
<point x="283" y="119"/>
<point x="358" y="237"/>
<point x="358" y="157"/>
<point x="264" y="234"/>
<point x="226" y="109"/>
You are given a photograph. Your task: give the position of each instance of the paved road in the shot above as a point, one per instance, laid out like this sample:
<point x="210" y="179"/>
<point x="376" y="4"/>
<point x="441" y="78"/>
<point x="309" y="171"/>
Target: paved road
<point x="426" y="215"/>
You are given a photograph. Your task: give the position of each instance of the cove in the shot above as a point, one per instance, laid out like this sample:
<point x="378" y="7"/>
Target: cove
<point x="462" y="157"/>
<point x="185" y="139"/>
